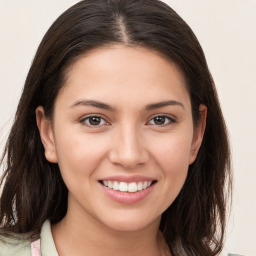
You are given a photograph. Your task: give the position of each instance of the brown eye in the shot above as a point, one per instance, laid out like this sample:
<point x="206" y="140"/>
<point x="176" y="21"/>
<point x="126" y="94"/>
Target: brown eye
<point x="94" y="121"/>
<point x="161" y="120"/>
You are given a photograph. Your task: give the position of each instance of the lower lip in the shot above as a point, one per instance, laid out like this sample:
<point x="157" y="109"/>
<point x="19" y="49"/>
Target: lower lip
<point x="127" y="197"/>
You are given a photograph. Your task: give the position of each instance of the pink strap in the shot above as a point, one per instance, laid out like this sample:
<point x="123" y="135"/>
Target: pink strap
<point x="35" y="248"/>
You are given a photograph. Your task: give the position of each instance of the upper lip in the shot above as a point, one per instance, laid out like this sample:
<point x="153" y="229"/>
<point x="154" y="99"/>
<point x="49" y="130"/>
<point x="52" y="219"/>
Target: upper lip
<point x="127" y="179"/>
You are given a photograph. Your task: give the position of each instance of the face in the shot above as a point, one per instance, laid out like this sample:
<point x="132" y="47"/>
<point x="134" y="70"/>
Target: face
<point x="123" y="136"/>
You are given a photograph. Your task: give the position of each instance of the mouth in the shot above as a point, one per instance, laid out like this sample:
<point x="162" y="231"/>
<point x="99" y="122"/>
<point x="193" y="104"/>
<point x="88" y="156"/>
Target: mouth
<point x="130" y="187"/>
<point x="127" y="190"/>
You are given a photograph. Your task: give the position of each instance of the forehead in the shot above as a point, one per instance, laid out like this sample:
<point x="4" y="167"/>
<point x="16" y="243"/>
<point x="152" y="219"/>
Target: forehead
<point x="125" y="74"/>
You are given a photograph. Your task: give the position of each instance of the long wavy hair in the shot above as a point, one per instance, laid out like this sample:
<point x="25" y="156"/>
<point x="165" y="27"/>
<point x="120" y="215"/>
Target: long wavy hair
<point x="33" y="189"/>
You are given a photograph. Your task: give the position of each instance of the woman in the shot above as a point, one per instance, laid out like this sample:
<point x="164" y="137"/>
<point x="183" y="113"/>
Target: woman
<point x="119" y="144"/>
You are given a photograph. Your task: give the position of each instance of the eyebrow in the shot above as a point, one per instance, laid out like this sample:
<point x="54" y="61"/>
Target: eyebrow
<point x="102" y="105"/>
<point x="164" y="104"/>
<point x="92" y="103"/>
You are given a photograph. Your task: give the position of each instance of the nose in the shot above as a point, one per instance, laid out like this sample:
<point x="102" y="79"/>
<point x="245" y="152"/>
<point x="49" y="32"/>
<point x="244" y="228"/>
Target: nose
<point x="128" y="148"/>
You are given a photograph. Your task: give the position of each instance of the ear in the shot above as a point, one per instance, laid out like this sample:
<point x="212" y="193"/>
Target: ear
<point x="198" y="133"/>
<point x="47" y="136"/>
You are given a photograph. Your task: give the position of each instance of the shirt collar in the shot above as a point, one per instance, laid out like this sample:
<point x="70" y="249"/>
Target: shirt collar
<point x="47" y="244"/>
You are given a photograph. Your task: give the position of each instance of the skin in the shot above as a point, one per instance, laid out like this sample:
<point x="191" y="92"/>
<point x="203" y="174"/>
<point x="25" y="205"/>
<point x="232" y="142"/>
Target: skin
<point x="127" y="141"/>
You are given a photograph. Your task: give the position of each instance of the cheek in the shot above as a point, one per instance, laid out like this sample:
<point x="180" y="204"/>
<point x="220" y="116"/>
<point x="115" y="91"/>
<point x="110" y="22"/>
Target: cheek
<point x="172" y="156"/>
<point x="173" y="151"/>
<point x="78" y="155"/>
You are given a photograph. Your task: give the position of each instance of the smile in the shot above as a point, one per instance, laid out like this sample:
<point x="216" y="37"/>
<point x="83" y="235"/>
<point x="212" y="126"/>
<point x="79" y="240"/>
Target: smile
<point x="127" y="189"/>
<point x="131" y="187"/>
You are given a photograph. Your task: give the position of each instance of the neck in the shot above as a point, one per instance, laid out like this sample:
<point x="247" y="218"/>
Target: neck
<point x="77" y="235"/>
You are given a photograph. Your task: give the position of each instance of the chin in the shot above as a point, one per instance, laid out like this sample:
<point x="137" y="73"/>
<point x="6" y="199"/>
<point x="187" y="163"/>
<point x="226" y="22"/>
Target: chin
<point x="130" y="222"/>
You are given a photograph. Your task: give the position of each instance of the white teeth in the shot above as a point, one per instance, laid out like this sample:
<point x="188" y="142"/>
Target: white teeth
<point x="127" y="187"/>
<point x="140" y="186"/>
<point x="109" y="184"/>
<point x="123" y="186"/>
<point x="115" y="185"/>
<point x="132" y="187"/>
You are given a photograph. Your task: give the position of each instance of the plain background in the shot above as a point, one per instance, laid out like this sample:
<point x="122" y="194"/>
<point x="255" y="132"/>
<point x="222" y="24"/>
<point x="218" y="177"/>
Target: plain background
<point x="226" y="30"/>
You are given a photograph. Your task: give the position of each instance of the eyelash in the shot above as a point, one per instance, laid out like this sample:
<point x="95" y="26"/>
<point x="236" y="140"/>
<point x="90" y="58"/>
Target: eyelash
<point x="83" y="121"/>
<point x="166" y="117"/>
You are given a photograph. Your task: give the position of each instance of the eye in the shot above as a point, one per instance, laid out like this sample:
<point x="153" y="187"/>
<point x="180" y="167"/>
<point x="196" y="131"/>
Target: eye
<point x="94" y="121"/>
<point x="161" y="120"/>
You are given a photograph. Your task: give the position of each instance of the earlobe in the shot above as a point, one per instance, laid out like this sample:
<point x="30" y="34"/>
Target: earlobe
<point x="46" y="133"/>
<point x="198" y="133"/>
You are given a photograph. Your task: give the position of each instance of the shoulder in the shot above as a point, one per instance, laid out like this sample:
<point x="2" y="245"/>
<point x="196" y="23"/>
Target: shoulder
<point x="14" y="245"/>
<point x="225" y="253"/>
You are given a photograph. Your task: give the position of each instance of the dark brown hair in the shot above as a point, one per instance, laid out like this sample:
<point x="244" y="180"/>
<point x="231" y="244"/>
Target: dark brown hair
<point x="33" y="189"/>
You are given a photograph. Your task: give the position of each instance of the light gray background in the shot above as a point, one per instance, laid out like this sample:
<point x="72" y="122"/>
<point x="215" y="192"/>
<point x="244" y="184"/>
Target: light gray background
<point x="227" y="32"/>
